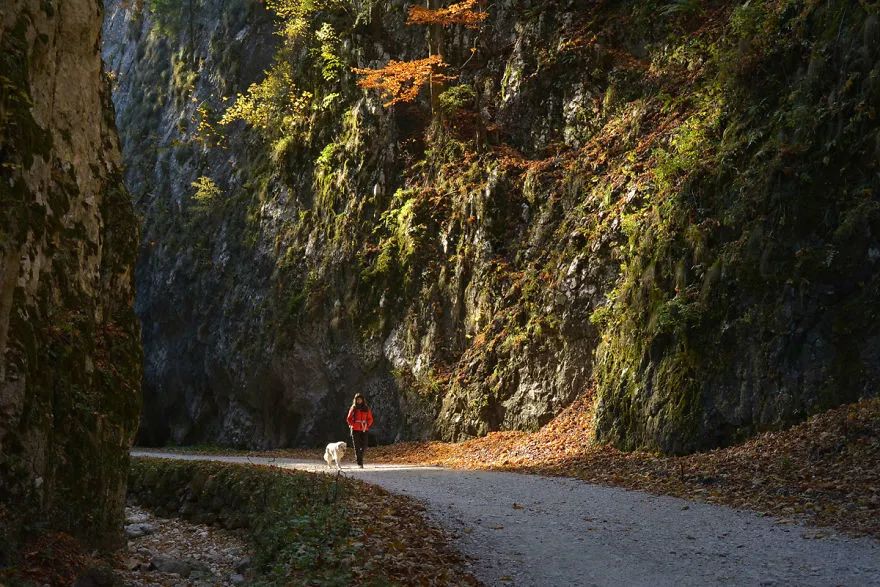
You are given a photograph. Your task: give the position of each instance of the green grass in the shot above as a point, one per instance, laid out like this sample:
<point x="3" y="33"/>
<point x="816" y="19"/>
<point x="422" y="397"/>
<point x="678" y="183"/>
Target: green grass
<point x="297" y="522"/>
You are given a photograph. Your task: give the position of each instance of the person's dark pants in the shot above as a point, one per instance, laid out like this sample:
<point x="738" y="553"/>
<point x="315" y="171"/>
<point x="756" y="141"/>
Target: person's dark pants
<point x="359" y="439"/>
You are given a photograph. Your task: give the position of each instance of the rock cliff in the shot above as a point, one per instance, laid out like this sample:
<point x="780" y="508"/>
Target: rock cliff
<point x="69" y="339"/>
<point x="672" y="204"/>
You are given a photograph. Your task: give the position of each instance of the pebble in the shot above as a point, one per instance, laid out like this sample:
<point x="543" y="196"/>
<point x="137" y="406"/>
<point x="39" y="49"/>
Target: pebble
<point x="136" y="518"/>
<point x="243" y="564"/>
<point x="167" y="564"/>
<point x="139" y="529"/>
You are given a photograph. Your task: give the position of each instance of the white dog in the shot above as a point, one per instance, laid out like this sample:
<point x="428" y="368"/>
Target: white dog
<point x="334" y="452"/>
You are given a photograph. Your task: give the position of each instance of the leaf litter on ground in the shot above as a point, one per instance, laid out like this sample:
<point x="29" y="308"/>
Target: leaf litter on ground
<point x="822" y="472"/>
<point x="825" y="471"/>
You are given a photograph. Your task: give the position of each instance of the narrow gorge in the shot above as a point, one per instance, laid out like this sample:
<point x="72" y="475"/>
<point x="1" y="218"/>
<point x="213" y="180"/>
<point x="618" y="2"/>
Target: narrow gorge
<point x="641" y="231"/>
<point x="671" y="206"/>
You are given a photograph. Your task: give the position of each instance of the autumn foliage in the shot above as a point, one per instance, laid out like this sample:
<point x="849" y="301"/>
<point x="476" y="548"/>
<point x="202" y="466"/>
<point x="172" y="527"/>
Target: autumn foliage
<point x="462" y="13"/>
<point x="400" y="81"/>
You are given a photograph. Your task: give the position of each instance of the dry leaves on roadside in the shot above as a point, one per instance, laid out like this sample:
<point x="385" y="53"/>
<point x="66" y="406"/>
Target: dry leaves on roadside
<point x="394" y="536"/>
<point x="825" y="471"/>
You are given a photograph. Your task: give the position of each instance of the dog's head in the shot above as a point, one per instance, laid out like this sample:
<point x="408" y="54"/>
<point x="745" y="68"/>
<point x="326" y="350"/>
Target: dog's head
<point x="338" y="446"/>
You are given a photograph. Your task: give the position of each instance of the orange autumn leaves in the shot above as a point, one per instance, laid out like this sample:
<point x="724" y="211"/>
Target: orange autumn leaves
<point x="401" y="81"/>
<point x="462" y="13"/>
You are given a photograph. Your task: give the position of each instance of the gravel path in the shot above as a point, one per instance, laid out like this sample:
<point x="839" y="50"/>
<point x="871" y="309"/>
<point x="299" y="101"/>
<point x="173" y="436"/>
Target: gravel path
<point x="530" y="530"/>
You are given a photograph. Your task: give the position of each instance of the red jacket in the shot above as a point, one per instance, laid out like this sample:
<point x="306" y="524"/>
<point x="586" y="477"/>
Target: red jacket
<point x="359" y="420"/>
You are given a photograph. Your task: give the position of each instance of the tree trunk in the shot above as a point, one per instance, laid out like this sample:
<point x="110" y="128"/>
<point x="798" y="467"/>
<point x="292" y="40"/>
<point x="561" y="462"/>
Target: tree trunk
<point x="435" y="47"/>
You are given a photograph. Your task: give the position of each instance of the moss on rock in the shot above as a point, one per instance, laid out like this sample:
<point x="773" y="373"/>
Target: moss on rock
<point x="70" y="355"/>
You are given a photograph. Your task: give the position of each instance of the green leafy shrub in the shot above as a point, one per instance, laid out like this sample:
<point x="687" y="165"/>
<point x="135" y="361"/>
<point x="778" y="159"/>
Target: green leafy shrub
<point x="206" y="191"/>
<point x="332" y="65"/>
<point x="457" y="98"/>
<point x="169" y="15"/>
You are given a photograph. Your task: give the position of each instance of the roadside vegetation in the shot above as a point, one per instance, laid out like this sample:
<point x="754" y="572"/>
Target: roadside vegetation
<point x="305" y="529"/>
<point x="302" y="529"/>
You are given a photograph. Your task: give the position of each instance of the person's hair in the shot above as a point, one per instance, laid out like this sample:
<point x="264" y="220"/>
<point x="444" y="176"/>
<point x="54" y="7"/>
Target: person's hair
<point x="354" y="401"/>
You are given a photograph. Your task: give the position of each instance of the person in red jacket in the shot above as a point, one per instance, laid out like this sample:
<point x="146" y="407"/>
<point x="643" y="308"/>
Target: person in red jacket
<point x="359" y="419"/>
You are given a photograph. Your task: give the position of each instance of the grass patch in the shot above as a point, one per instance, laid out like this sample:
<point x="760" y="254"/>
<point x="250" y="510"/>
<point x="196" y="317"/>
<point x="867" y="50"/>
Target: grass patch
<point x="304" y="528"/>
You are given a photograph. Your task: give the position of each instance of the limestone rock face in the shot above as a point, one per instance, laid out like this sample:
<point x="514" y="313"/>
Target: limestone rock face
<point x="608" y="197"/>
<point x="70" y="358"/>
<point x="261" y="319"/>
